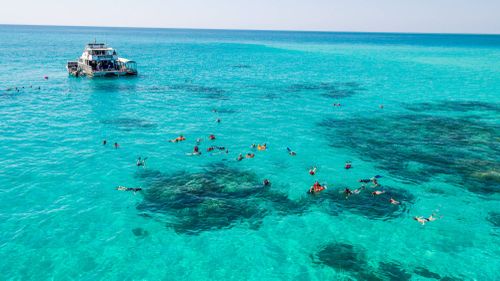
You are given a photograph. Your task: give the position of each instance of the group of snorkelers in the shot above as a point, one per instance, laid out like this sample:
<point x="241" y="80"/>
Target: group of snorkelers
<point x="18" y="89"/>
<point x="316" y="188"/>
<point x="251" y="155"/>
<point x="196" y="148"/>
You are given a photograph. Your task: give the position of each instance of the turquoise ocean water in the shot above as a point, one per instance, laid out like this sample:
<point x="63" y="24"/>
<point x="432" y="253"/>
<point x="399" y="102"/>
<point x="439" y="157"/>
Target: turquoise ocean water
<point x="435" y="143"/>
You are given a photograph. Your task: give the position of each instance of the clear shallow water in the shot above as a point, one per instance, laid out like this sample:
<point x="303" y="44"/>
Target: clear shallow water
<point x="435" y="142"/>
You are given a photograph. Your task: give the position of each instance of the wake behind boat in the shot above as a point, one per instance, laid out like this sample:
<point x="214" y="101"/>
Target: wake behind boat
<point x="100" y="60"/>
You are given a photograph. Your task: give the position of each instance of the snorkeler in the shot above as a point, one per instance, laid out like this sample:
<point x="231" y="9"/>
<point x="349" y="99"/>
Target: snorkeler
<point x="250" y="155"/>
<point x="394" y="202"/>
<point x="178" y="139"/>
<point x="374" y="180"/>
<point x="262" y="147"/>
<point x="198" y="140"/>
<point x="116" y="145"/>
<point x="423" y="220"/>
<point x="316" y="188"/>
<point x="141" y="162"/>
<point x="253" y="146"/>
<point x="196" y="149"/>
<point x="378" y="192"/>
<point x="290" y="151"/>
<point x="312" y="171"/>
<point x="211" y="148"/>
<point x="347" y="192"/>
<point x="240" y="157"/>
<point x="134" y="189"/>
<point x="266" y="182"/>
<point x="358" y="190"/>
<point x="211" y="137"/>
<point x="348" y="165"/>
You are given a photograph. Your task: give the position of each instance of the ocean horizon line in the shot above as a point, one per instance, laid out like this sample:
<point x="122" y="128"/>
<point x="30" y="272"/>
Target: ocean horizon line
<point x="256" y="30"/>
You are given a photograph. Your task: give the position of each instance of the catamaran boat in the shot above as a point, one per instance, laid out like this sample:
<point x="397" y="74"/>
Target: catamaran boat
<point x="100" y="60"/>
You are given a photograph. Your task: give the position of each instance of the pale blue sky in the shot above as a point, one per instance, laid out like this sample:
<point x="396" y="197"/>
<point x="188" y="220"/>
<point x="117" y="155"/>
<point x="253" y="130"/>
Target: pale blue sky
<point x="443" y="16"/>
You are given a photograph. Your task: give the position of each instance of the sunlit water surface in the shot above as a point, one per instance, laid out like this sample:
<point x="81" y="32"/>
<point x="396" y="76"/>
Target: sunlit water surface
<point x="435" y="143"/>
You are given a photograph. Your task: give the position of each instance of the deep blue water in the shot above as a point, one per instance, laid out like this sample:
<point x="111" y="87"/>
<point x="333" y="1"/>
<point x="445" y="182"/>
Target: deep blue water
<point x="420" y="110"/>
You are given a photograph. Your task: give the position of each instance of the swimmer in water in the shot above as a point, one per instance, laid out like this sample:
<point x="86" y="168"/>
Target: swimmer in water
<point x="198" y="140"/>
<point x="423" y="220"/>
<point x="141" y="162"/>
<point x="250" y="155"/>
<point x="348" y="165"/>
<point x="374" y="180"/>
<point x="211" y="137"/>
<point x="218" y="120"/>
<point x="240" y="157"/>
<point x="378" y="192"/>
<point x="116" y="145"/>
<point x="253" y="146"/>
<point x="394" y="202"/>
<point x="196" y="150"/>
<point x="178" y="139"/>
<point x="316" y="188"/>
<point x="290" y="151"/>
<point x="134" y="189"/>
<point x="104" y="142"/>
<point x="211" y="148"/>
<point x="262" y="147"/>
<point x="347" y="192"/>
<point x="266" y="182"/>
<point x="312" y="171"/>
<point x="358" y="190"/>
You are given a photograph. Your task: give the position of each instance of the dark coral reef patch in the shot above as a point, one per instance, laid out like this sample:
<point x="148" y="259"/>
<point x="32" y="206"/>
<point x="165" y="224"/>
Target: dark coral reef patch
<point x="417" y="147"/>
<point x="330" y="90"/>
<point x="217" y="198"/>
